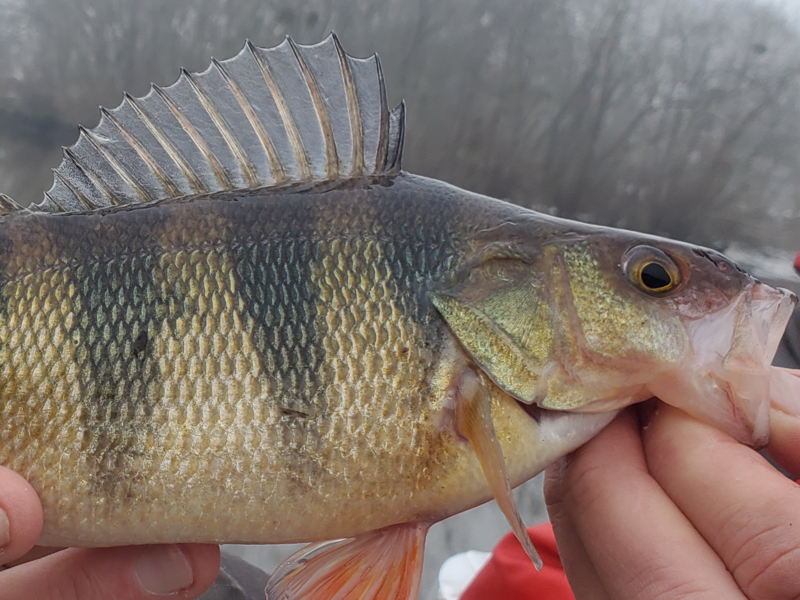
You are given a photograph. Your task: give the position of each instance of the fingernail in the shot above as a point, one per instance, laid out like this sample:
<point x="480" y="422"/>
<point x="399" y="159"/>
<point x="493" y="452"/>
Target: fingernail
<point x="5" y="529"/>
<point x="163" y="570"/>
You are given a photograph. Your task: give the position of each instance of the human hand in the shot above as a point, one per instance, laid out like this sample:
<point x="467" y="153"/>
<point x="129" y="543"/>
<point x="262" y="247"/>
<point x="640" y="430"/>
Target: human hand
<point x="678" y="509"/>
<point x="127" y="573"/>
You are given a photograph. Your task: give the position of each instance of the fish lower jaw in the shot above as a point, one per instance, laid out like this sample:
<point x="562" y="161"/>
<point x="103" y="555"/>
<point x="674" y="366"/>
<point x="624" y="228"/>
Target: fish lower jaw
<point x="737" y="403"/>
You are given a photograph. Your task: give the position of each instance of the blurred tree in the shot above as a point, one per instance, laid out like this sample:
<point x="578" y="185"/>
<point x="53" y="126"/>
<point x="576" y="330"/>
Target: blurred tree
<point x="677" y="117"/>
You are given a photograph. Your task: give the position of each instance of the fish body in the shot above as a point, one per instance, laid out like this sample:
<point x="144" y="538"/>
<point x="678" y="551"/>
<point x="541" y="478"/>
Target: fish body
<point x="274" y="361"/>
<point x="234" y="318"/>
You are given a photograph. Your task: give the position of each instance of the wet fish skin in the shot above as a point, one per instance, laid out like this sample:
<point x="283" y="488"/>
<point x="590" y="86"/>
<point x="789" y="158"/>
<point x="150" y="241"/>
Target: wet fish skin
<point x="238" y="357"/>
<point x="266" y="355"/>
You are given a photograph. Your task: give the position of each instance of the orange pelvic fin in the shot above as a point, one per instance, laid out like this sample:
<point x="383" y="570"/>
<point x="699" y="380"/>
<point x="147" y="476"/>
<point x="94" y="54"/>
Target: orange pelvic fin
<point x="380" y="565"/>
<point x="474" y="422"/>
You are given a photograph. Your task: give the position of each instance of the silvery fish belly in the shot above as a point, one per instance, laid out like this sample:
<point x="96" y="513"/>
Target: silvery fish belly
<point x="234" y="318"/>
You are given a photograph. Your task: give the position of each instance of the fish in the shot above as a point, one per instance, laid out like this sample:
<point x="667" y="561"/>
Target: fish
<point x="234" y="318"/>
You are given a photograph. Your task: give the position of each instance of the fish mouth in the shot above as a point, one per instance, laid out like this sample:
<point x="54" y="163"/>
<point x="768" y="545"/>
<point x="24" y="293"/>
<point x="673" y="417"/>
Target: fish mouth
<point x="725" y="380"/>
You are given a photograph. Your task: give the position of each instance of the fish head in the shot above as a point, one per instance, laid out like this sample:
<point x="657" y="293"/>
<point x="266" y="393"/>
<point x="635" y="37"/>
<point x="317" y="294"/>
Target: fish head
<point x="591" y="319"/>
<point x="714" y="358"/>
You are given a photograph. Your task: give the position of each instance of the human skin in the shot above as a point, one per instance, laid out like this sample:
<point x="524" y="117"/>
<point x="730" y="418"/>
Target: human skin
<point x="179" y="572"/>
<point x="662" y="506"/>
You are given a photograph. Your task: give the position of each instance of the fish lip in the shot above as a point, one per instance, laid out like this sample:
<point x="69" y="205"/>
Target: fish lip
<point x="724" y="380"/>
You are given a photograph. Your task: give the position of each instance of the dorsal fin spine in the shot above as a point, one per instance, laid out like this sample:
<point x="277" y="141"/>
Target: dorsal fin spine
<point x="98" y="183"/>
<point x="353" y="108"/>
<point x="278" y="172"/>
<point x="8" y="204"/>
<point x="118" y="167"/>
<point x="170" y="149"/>
<point x="197" y="139"/>
<point x="286" y="116"/>
<point x="247" y="168"/>
<point x="142" y="152"/>
<point x="383" y="142"/>
<point x="49" y="197"/>
<point x="74" y="190"/>
<point x="332" y="162"/>
<point x="397" y="131"/>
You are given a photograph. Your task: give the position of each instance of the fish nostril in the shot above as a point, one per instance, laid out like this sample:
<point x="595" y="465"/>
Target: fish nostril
<point x="723" y="263"/>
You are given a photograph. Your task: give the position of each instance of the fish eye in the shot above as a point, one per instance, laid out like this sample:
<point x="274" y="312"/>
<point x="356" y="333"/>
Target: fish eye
<point x="651" y="270"/>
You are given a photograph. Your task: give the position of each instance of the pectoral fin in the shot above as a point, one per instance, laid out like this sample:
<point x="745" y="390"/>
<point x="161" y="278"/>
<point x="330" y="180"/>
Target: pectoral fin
<point x="380" y="565"/>
<point x="474" y="422"/>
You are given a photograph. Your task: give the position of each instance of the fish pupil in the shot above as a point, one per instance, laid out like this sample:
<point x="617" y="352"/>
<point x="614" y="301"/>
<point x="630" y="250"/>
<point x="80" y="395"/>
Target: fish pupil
<point x="655" y="277"/>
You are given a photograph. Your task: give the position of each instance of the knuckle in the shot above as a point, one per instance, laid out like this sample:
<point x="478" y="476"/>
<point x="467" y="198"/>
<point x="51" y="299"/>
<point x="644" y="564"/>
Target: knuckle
<point x="771" y="570"/>
<point x="81" y="585"/>
<point x="666" y="582"/>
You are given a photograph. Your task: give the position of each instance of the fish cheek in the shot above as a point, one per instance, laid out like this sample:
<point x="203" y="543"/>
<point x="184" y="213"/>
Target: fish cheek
<point x="610" y="338"/>
<point x="614" y="320"/>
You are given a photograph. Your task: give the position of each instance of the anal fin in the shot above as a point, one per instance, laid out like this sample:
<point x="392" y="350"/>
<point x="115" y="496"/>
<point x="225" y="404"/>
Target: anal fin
<point x="380" y="565"/>
<point x="474" y="422"/>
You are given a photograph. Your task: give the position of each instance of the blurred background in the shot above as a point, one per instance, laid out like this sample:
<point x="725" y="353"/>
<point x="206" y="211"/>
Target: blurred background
<point x="674" y="117"/>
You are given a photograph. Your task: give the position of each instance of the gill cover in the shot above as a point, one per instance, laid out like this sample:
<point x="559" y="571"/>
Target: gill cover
<point x="498" y="309"/>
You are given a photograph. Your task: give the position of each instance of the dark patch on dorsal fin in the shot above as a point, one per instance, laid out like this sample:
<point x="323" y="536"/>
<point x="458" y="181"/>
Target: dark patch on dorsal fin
<point x="266" y="118"/>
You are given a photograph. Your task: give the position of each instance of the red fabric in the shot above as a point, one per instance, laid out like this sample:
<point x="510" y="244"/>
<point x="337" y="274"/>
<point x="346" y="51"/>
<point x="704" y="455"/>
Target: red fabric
<point x="797" y="262"/>
<point x="510" y="575"/>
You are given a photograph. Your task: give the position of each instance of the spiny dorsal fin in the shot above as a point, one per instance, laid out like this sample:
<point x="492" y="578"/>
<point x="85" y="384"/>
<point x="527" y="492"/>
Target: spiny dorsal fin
<point x="8" y="204"/>
<point x="265" y="118"/>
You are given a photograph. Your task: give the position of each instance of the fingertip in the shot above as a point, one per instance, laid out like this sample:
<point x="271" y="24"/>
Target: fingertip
<point x="176" y="571"/>
<point x="185" y="570"/>
<point x="553" y="477"/>
<point x="205" y="562"/>
<point x="784" y="444"/>
<point x="21" y="519"/>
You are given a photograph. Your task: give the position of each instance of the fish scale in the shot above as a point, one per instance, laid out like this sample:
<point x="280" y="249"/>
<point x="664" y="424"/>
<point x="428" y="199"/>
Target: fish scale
<point x="309" y="343"/>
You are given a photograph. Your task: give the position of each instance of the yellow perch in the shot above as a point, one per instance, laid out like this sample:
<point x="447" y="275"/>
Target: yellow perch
<point x="234" y="318"/>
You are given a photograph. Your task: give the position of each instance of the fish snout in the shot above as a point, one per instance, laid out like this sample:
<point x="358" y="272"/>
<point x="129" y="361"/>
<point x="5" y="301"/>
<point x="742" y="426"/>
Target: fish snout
<point x="765" y="312"/>
<point x="725" y="380"/>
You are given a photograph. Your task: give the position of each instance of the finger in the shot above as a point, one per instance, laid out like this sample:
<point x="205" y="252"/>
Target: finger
<point x="640" y="544"/>
<point x="20" y="516"/>
<point x="34" y="553"/>
<point x="132" y="573"/>
<point x="784" y="443"/>
<point x="582" y="576"/>
<point x="747" y="511"/>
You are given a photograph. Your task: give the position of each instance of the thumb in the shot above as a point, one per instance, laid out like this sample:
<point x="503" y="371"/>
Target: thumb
<point x="179" y="572"/>
<point x="20" y="516"/>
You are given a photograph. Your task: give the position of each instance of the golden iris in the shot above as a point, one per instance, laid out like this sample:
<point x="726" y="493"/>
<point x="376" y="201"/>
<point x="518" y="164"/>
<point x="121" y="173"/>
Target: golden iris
<point x="651" y="270"/>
